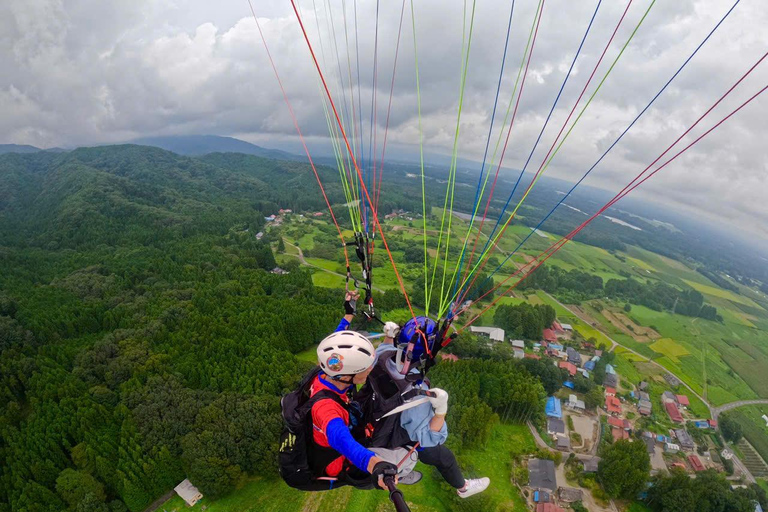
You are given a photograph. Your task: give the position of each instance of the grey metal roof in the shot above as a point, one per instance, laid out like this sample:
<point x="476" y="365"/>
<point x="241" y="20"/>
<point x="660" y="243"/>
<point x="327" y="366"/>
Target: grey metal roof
<point x="556" y="425"/>
<point x="541" y="474"/>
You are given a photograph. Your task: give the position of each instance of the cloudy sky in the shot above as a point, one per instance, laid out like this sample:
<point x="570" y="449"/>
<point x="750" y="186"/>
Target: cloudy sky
<point x="83" y="72"/>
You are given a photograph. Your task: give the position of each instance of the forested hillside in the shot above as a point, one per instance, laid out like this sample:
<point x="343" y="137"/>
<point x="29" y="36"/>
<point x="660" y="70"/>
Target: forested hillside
<point x="143" y="339"/>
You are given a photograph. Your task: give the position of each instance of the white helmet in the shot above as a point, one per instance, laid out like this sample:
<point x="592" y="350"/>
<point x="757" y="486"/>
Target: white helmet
<point x="345" y="353"/>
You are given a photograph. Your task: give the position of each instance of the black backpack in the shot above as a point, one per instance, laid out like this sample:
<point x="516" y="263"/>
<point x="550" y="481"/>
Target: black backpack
<point x="301" y="461"/>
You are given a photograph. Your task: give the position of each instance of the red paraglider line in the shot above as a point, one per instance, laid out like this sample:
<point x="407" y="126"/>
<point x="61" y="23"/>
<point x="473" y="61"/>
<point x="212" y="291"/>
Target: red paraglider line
<point x="354" y="160"/>
<point x="626" y="190"/>
<point x="565" y="123"/>
<point x="301" y="136"/>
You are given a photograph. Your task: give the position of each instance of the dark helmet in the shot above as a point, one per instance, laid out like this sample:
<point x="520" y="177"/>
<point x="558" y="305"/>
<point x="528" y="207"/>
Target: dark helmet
<point x="419" y="350"/>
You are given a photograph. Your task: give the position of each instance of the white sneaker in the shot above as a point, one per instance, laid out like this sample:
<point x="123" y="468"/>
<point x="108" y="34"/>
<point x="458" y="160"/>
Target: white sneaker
<point x="474" y="486"/>
<point x="411" y="478"/>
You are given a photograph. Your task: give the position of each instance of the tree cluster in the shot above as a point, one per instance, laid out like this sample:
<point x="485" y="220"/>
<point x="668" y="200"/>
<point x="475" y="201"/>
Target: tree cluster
<point x="524" y="320"/>
<point x="709" y="490"/>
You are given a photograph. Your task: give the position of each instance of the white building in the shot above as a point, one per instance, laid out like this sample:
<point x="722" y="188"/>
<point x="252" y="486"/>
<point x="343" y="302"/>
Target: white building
<point x="575" y="404"/>
<point x="494" y="333"/>
<point x="518" y="344"/>
<point x="188" y="492"/>
<point x="566" y="327"/>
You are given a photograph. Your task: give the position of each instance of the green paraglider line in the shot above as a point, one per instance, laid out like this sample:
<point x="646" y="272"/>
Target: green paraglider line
<point x="354" y="160"/>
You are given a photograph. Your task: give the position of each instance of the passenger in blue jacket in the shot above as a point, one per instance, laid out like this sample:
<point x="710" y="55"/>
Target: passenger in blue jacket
<point x="396" y="380"/>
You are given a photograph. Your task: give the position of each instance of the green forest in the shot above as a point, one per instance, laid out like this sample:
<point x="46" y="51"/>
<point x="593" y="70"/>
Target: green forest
<point x="144" y="339"/>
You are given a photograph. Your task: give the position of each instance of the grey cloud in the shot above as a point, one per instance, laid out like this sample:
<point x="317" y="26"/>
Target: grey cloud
<point x="83" y="72"/>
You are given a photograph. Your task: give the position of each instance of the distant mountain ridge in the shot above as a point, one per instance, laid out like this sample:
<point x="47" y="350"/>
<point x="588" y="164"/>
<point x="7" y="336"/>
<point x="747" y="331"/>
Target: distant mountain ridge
<point x="24" y="148"/>
<point x="197" y="145"/>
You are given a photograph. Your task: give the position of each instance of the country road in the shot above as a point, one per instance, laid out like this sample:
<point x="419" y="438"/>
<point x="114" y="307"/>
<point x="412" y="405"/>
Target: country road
<point x="304" y="262"/>
<point x="733" y="405"/>
<point x="714" y="411"/>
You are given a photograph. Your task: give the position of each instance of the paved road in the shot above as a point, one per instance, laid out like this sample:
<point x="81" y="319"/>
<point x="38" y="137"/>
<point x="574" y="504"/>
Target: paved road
<point x="714" y="411"/>
<point x="303" y="261"/>
<point x="733" y="405"/>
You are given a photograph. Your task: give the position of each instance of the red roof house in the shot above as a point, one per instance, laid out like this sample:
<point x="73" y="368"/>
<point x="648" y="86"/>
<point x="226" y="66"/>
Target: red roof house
<point x="612" y="405"/>
<point x="683" y="400"/>
<point x="678" y="465"/>
<point x="712" y="423"/>
<point x="674" y="412"/>
<point x="548" y="507"/>
<point x="550" y="336"/>
<point x="619" y="433"/>
<point x="532" y="356"/>
<point x="557" y="327"/>
<point x="696" y="463"/>
<point x="568" y="366"/>
<point x="615" y="422"/>
<point x="609" y="391"/>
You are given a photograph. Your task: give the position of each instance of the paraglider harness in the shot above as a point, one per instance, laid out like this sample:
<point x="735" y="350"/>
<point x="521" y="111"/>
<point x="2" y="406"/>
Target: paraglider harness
<point x="363" y="245"/>
<point x="301" y="460"/>
<point x="382" y="398"/>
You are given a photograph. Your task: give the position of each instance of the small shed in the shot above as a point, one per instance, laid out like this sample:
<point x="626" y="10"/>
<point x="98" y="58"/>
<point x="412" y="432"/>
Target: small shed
<point x="188" y="492"/>
<point x="541" y="496"/>
<point x="518" y="344"/>
<point x="555" y="426"/>
<point x="563" y="443"/>
<point x="569" y="494"/>
<point x="590" y="465"/>
<point x="642" y="386"/>
<point x="518" y="353"/>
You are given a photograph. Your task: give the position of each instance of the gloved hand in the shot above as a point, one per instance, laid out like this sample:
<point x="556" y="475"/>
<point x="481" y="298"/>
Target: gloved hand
<point x="439" y="401"/>
<point x="381" y="471"/>
<point x="391" y="330"/>
<point x="350" y="303"/>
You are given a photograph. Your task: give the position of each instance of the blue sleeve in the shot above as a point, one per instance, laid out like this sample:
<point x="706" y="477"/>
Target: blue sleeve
<point x="341" y="440"/>
<point x="343" y="325"/>
<point x="416" y="421"/>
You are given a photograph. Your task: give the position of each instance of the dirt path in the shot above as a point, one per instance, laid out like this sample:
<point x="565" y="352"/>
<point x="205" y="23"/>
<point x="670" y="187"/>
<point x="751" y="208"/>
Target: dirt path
<point x="303" y="261"/>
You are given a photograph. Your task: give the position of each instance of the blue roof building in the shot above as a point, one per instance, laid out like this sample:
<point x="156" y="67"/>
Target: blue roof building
<point x="589" y="365"/>
<point x="555" y="346"/>
<point x="554" y="408"/>
<point x="568" y="384"/>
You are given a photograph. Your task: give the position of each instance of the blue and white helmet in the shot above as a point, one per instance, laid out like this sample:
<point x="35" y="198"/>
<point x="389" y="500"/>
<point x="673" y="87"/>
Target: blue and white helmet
<point x="418" y="352"/>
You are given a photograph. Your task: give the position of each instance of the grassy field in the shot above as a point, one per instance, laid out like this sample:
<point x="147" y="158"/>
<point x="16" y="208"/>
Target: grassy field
<point x="709" y="356"/>
<point x="429" y="495"/>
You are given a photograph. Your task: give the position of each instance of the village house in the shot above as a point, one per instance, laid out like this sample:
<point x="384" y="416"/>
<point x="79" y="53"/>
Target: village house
<point x="591" y="464"/>
<point x="695" y="463"/>
<point x="573" y="356"/>
<point x="674" y="412"/>
<point x="550" y="336"/>
<point x="613" y="405"/>
<point x="568" y="366"/>
<point x="683" y="401"/>
<point x="553" y="408"/>
<point x="644" y="407"/>
<point x="669" y="397"/>
<point x="541" y="475"/>
<point x="569" y="495"/>
<point x="548" y="507"/>
<point x="555" y="426"/>
<point x="575" y="404"/>
<point x="609" y="391"/>
<point x="563" y="443"/>
<point x="518" y="353"/>
<point x="518" y="344"/>
<point x="493" y="333"/>
<point x="611" y="380"/>
<point x="188" y="492"/>
<point x="684" y="439"/>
